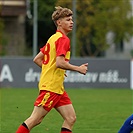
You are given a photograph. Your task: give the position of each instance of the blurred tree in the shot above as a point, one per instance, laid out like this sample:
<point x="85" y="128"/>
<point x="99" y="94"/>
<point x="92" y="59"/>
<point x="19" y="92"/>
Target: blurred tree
<point x="1" y="31"/>
<point x="45" y="25"/>
<point x="95" y="18"/>
<point x="3" y="41"/>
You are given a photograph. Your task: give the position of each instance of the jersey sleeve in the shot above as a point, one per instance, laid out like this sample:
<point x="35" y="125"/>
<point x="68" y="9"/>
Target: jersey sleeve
<point x="42" y="49"/>
<point x="62" y="46"/>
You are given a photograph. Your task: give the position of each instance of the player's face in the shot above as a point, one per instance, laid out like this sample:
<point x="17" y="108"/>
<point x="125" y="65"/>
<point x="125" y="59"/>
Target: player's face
<point x="66" y="24"/>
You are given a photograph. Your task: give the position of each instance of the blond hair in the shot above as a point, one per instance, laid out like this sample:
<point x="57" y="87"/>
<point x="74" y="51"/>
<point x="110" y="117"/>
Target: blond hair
<point x="61" y="12"/>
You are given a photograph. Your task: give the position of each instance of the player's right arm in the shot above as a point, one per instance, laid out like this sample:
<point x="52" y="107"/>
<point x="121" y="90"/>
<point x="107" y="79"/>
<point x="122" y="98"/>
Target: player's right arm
<point x="39" y="59"/>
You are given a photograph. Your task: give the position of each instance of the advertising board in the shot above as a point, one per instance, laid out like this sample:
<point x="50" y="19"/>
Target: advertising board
<point x="102" y="73"/>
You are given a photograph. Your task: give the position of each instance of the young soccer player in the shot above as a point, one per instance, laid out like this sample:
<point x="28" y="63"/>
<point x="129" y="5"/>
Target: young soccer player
<point x="127" y="127"/>
<point x="53" y="59"/>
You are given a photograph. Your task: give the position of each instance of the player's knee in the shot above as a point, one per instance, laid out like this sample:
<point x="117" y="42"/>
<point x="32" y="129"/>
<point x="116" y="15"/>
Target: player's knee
<point x="71" y="119"/>
<point x="36" y="121"/>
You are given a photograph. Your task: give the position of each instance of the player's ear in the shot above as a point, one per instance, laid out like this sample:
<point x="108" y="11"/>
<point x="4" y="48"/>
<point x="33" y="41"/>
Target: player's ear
<point x="58" y="22"/>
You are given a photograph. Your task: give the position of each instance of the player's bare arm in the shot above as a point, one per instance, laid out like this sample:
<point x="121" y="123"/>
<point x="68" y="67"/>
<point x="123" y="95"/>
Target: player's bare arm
<point x="61" y="63"/>
<point x="38" y="59"/>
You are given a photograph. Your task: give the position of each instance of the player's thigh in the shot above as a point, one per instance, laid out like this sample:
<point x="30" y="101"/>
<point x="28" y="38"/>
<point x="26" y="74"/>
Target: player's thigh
<point x="67" y="111"/>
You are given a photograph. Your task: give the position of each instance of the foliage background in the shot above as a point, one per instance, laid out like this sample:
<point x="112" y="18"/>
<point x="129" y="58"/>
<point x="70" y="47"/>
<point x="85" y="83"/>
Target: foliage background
<point x="94" y="20"/>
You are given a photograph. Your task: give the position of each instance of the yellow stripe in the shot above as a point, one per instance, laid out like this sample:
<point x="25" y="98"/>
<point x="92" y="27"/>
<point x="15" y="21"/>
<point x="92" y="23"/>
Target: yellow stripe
<point x="45" y="98"/>
<point x="51" y="102"/>
<point x="67" y="55"/>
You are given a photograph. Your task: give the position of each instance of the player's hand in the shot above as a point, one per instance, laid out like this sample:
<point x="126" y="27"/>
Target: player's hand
<point x="83" y="68"/>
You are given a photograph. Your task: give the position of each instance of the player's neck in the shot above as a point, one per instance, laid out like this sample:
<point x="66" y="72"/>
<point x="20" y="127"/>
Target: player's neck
<point x="63" y="31"/>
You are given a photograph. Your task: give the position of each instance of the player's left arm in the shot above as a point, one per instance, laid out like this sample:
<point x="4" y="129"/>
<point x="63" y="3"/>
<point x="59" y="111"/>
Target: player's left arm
<point x="39" y="59"/>
<point x="62" y="47"/>
<point x="61" y="63"/>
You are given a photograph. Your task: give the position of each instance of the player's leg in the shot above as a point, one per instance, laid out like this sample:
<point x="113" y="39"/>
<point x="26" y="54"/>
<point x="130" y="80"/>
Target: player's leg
<point x="69" y="116"/>
<point x="127" y="127"/>
<point x="36" y="118"/>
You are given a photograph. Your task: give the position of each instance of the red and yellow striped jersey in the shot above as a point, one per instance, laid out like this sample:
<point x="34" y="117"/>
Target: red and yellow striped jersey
<point x="52" y="78"/>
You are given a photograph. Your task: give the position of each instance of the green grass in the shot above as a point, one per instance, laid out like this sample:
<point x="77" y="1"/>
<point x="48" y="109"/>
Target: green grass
<point x="98" y="110"/>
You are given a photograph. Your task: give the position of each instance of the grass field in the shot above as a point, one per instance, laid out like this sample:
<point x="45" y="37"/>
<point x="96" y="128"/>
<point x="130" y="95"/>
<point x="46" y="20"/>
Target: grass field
<point x="98" y="110"/>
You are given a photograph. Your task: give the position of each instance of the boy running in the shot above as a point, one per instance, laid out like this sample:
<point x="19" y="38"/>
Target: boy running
<point x="53" y="59"/>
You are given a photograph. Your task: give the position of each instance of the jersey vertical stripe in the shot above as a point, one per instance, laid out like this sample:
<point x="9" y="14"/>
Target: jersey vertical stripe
<point x="52" y="78"/>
